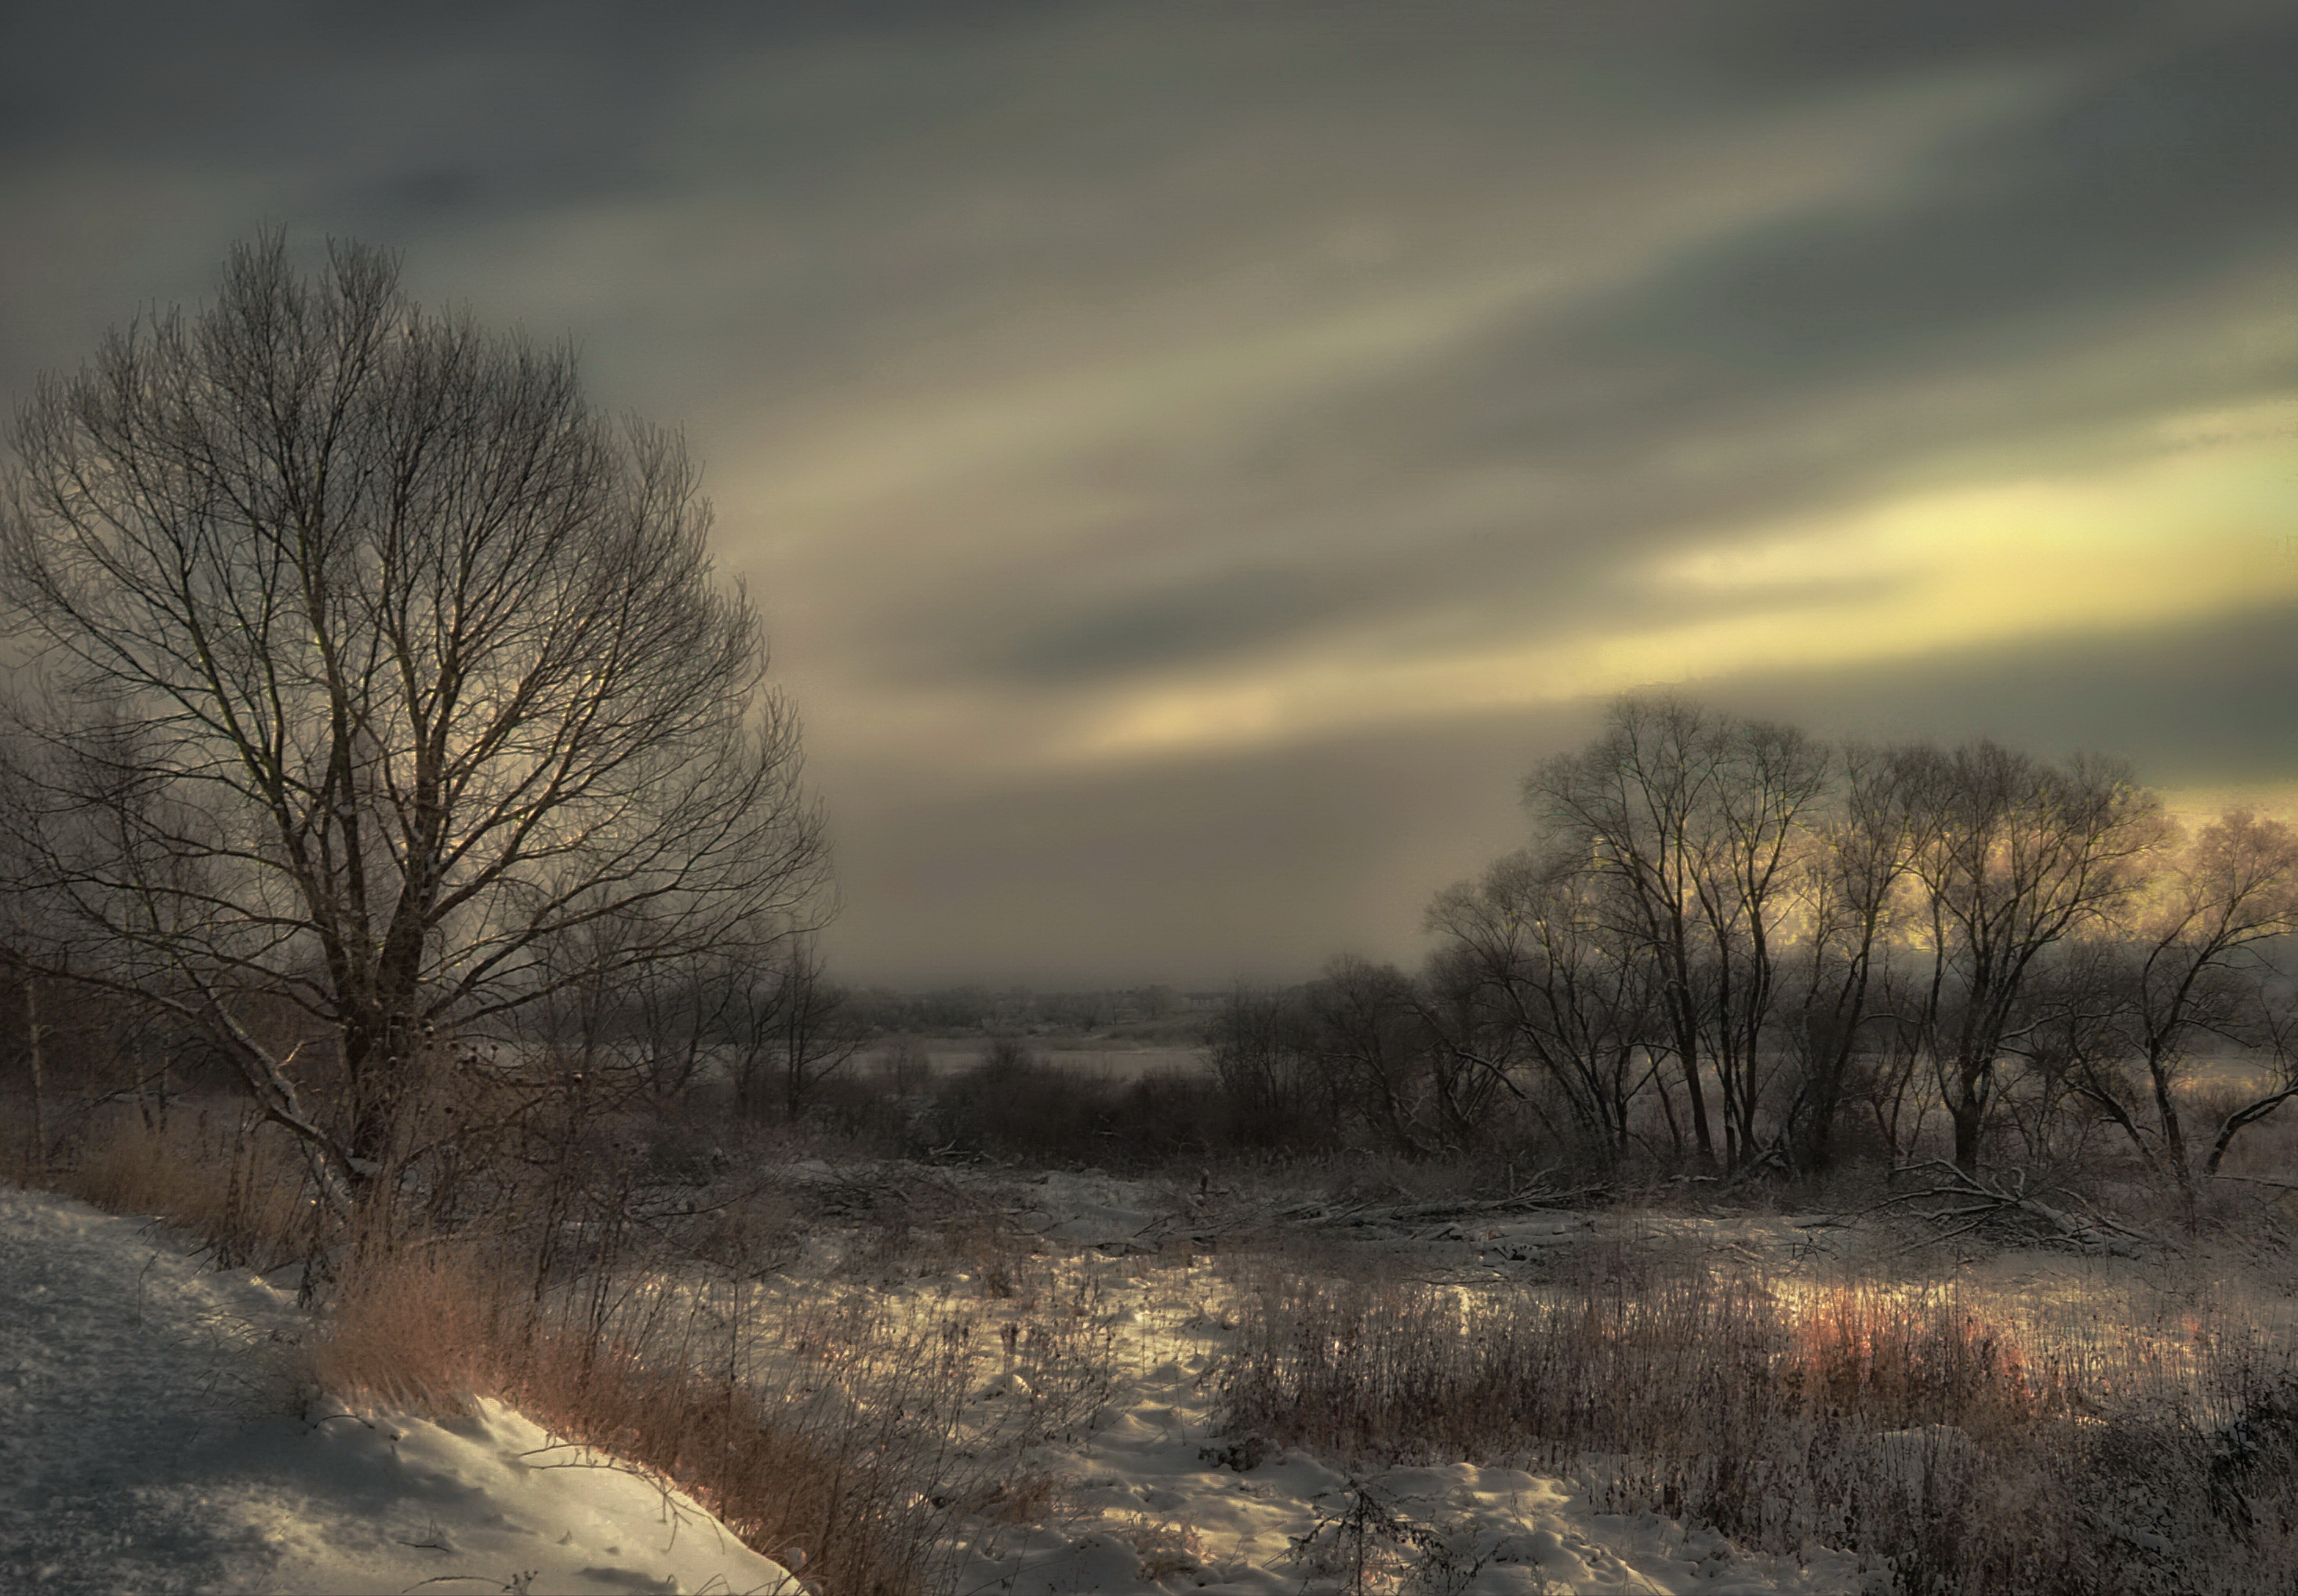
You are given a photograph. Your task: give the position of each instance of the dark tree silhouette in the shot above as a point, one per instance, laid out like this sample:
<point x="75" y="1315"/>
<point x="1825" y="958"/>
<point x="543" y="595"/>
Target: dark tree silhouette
<point x="375" y="672"/>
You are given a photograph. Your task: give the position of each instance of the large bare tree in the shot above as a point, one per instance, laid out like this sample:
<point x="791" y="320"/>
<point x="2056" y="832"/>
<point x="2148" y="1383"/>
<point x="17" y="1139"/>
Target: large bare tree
<point x="375" y="678"/>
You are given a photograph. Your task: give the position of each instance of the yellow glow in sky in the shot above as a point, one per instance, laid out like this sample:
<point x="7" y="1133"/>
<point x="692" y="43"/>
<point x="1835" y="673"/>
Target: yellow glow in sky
<point x="2175" y="537"/>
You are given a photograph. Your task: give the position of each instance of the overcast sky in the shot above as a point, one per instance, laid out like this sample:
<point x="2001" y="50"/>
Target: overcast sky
<point x="1193" y="459"/>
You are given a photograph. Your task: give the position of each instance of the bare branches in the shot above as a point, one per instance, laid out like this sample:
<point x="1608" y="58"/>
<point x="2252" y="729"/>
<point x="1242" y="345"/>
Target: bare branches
<point x="373" y="667"/>
<point x="1721" y="909"/>
<point x="1971" y="1202"/>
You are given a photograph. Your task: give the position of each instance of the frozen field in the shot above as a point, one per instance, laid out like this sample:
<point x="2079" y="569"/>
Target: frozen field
<point x="158" y="1438"/>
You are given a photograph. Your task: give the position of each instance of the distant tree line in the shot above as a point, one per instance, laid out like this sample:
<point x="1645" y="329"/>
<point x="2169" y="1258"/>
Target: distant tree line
<point x="1018" y="1010"/>
<point x="1732" y="945"/>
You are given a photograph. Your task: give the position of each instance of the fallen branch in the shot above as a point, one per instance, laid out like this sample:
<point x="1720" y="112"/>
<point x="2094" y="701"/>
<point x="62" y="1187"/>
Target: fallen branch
<point x="2287" y="1186"/>
<point x="1973" y="1202"/>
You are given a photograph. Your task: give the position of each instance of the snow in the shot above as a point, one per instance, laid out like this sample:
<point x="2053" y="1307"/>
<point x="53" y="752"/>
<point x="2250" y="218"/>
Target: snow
<point x="155" y="1435"/>
<point x="1158" y="1502"/>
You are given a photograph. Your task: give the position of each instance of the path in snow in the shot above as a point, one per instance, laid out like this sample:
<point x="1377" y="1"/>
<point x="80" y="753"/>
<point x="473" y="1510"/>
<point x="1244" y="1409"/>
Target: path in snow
<point x="153" y="1436"/>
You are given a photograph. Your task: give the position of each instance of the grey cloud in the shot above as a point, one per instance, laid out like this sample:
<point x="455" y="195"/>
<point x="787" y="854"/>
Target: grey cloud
<point x="1261" y="864"/>
<point x="1774" y="369"/>
<point x="2014" y="253"/>
<point x="1266" y="862"/>
<point x="1234" y="611"/>
<point x="1456" y="590"/>
<point x="2200" y="705"/>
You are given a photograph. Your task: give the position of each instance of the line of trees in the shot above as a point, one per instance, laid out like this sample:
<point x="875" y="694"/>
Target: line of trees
<point x="1732" y="945"/>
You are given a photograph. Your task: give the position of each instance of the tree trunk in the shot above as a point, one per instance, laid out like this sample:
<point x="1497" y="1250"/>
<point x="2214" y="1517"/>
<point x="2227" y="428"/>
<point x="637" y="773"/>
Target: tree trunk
<point x="2174" y="1134"/>
<point x="1969" y="1113"/>
<point x="39" y="1079"/>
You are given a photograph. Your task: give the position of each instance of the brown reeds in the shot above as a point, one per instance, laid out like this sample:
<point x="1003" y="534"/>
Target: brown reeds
<point x="1910" y="1425"/>
<point x="816" y="1421"/>
<point x="235" y="1185"/>
<point x="821" y="1420"/>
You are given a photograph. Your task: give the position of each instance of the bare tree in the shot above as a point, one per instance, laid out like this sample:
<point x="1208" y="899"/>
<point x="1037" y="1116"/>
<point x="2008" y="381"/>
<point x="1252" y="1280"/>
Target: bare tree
<point x="1369" y="1031"/>
<point x="788" y="1031"/>
<point x="1635" y="802"/>
<point x="1544" y="981"/>
<point x="2184" y="967"/>
<point x="1852" y="891"/>
<point x="1769" y="784"/>
<point x="1263" y="1052"/>
<point x="1703" y="822"/>
<point x="372" y="669"/>
<point x="2013" y="855"/>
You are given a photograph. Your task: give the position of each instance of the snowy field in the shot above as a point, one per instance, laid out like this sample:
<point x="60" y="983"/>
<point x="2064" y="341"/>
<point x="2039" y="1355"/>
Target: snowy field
<point x="1158" y="1502"/>
<point x="155" y="1436"/>
<point x="160" y="1437"/>
<point x="1109" y="1064"/>
<point x="160" y="1434"/>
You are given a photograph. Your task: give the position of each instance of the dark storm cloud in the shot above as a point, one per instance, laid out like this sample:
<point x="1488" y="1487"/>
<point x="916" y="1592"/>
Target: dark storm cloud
<point x="2010" y="251"/>
<point x="2014" y="245"/>
<point x="259" y="77"/>
<point x="1775" y="368"/>
<point x="1784" y="42"/>
<point x="403" y="125"/>
<point x="1232" y="611"/>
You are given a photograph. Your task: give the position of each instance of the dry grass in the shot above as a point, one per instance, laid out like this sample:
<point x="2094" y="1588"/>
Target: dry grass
<point x="818" y="1420"/>
<point x="825" y="1422"/>
<point x="1892" y="1361"/>
<point x="419" y="1331"/>
<point x="1910" y="1425"/>
<point x="235" y="1185"/>
<point x="1956" y="1437"/>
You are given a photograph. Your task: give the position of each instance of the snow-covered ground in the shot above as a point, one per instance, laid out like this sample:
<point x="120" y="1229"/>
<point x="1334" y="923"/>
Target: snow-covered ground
<point x="159" y="1434"/>
<point x="1155" y="1501"/>
<point x="1108" y="1062"/>
<point x="1157" y="1505"/>
<point x="156" y="1435"/>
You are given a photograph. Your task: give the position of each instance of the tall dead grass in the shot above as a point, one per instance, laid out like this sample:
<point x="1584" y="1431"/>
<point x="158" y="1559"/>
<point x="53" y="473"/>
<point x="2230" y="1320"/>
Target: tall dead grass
<point x="1912" y="1426"/>
<point x="822" y="1420"/>
<point x="822" y="1417"/>
<point x="213" y="1171"/>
